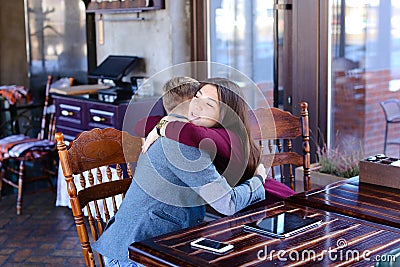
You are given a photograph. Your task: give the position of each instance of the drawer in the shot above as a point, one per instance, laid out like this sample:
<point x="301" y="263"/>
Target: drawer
<point x="101" y="118"/>
<point x="68" y="114"/>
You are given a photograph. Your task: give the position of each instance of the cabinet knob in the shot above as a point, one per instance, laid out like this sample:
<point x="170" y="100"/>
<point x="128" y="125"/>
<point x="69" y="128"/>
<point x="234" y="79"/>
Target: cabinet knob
<point x="66" y="113"/>
<point x="98" y="119"/>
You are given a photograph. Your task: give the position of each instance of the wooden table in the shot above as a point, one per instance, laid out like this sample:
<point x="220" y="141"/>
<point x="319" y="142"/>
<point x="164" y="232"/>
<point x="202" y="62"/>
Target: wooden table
<point x="338" y="241"/>
<point x="360" y="200"/>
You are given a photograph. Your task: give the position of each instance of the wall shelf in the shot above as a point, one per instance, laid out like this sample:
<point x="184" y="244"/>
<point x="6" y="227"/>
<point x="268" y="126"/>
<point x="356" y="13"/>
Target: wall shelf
<point x="135" y="6"/>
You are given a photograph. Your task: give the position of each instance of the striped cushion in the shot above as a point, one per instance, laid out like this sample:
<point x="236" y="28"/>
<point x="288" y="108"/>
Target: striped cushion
<point x="8" y="142"/>
<point x="42" y="145"/>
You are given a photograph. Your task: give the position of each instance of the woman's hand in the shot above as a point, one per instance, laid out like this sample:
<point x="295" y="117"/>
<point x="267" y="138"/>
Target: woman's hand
<point x="261" y="171"/>
<point x="150" y="139"/>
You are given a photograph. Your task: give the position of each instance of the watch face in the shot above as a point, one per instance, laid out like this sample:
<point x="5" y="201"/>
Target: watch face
<point x="161" y="123"/>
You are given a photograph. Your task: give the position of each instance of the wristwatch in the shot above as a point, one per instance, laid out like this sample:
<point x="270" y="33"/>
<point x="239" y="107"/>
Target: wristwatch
<point x="159" y="125"/>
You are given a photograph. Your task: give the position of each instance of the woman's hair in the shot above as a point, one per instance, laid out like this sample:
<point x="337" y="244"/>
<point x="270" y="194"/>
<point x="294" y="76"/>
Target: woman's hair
<point x="234" y="116"/>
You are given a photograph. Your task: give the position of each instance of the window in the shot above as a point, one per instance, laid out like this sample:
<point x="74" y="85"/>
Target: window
<point x="241" y="35"/>
<point x="365" y="71"/>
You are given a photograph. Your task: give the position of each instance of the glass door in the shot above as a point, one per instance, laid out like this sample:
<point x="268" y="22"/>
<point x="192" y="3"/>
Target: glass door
<point x="365" y="71"/>
<point x="241" y="35"/>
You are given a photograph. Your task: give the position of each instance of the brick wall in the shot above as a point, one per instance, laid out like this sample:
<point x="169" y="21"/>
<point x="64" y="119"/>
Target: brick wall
<point x="357" y="111"/>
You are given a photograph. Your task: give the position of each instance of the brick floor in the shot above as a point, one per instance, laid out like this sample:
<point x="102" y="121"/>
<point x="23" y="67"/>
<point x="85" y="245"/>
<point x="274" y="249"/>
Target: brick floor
<point x="43" y="235"/>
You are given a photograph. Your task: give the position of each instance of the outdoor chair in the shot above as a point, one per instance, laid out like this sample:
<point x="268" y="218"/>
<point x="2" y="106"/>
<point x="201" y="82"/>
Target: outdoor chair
<point x="391" y="108"/>
<point x="97" y="191"/>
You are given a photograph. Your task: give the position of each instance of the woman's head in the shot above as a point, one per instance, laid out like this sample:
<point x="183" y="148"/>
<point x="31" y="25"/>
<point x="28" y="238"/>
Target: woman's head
<point x="219" y="102"/>
<point x="205" y="108"/>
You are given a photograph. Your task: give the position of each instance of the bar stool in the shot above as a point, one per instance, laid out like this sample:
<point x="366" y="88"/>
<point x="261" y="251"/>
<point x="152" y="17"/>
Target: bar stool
<point x="391" y="107"/>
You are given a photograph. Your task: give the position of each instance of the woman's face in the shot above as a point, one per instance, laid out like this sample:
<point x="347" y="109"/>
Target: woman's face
<point x="204" y="109"/>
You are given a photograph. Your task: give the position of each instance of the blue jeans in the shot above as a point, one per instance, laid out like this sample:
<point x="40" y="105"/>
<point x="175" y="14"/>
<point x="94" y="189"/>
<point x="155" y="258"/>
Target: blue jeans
<point x="116" y="263"/>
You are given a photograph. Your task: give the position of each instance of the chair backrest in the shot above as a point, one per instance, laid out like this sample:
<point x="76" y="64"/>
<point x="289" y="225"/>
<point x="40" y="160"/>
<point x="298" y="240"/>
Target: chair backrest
<point x="275" y="130"/>
<point x="48" y="123"/>
<point x="89" y="157"/>
<point x="391" y="107"/>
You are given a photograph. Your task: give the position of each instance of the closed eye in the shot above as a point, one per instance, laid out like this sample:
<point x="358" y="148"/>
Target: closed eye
<point x="198" y="94"/>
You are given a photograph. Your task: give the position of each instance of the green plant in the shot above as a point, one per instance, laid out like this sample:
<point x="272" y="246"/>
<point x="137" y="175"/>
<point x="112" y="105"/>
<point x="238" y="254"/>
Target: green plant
<point x="338" y="161"/>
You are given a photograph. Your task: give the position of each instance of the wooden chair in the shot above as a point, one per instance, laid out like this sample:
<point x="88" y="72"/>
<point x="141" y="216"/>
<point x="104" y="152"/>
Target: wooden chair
<point x="391" y="108"/>
<point x="84" y="157"/>
<point x="275" y="130"/>
<point x="17" y="150"/>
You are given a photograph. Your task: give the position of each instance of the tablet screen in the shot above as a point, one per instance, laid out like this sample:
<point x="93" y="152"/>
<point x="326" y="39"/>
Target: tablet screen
<point x="283" y="225"/>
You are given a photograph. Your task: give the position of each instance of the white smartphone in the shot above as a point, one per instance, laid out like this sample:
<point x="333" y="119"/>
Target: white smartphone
<point x="211" y="245"/>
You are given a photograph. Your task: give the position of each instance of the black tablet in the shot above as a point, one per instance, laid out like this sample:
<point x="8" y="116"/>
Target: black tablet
<point x="282" y="225"/>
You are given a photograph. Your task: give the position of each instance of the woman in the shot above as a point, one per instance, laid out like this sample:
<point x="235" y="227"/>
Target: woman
<point x="171" y="185"/>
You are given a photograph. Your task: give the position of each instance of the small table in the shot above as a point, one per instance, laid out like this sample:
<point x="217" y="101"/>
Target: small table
<point x="339" y="240"/>
<point x="370" y="202"/>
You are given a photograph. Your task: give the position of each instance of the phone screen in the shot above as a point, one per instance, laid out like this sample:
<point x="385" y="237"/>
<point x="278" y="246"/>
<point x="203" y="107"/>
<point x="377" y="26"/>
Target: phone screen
<point x="211" y="243"/>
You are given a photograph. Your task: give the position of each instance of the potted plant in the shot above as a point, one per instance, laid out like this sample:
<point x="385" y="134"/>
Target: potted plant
<point x="339" y="162"/>
<point x="333" y="164"/>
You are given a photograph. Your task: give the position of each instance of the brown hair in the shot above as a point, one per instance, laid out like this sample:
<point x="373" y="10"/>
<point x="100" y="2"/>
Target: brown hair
<point x="235" y="117"/>
<point x="177" y="90"/>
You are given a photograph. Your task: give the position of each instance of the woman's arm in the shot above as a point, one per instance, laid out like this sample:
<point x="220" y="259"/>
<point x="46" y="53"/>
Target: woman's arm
<point x="224" y="143"/>
<point x="210" y="138"/>
<point x="144" y="126"/>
